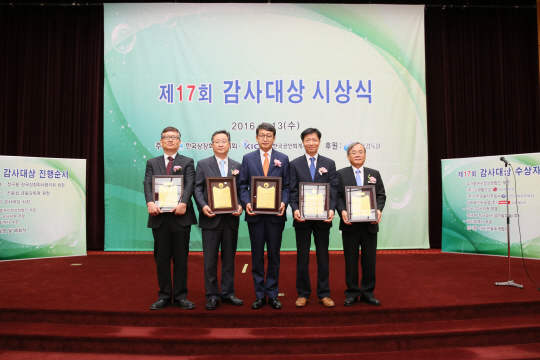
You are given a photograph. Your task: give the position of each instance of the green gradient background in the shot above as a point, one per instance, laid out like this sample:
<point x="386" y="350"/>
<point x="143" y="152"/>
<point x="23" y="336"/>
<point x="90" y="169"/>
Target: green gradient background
<point x="58" y="227"/>
<point x="456" y="237"/>
<point x="210" y="43"/>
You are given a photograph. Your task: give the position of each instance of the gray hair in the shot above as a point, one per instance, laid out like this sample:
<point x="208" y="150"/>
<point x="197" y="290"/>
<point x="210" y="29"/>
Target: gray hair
<point x="353" y="145"/>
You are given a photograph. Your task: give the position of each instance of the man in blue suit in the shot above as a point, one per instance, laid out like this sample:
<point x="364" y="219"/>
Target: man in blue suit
<point x="264" y="228"/>
<point x="218" y="229"/>
<point x="313" y="168"/>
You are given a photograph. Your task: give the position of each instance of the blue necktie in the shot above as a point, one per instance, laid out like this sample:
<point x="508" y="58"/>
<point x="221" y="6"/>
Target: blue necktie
<point x="222" y="168"/>
<point x="358" y="178"/>
<point x="312" y="168"/>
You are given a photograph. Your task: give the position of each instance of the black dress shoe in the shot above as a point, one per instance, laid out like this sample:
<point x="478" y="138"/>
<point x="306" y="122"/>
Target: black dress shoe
<point x="233" y="300"/>
<point x="370" y="301"/>
<point x="212" y="304"/>
<point x="259" y="303"/>
<point x="350" y="301"/>
<point x="274" y="303"/>
<point x="160" y="304"/>
<point x="184" y="304"/>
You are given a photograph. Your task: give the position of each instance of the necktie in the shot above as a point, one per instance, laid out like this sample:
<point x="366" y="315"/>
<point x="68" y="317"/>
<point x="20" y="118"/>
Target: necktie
<point x="266" y="164"/>
<point x="222" y="168"/>
<point x="312" y="168"/>
<point x="358" y="178"/>
<point x="169" y="165"/>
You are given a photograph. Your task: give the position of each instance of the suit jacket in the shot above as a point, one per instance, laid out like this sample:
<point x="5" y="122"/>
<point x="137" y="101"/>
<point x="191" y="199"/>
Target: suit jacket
<point x="209" y="168"/>
<point x="346" y="177"/>
<point x="156" y="166"/>
<point x="252" y="166"/>
<point x="299" y="172"/>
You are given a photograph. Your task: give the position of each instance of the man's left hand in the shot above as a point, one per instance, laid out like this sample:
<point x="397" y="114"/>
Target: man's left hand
<point x="281" y="209"/>
<point x="330" y="216"/>
<point x="378" y="217"/>
<point x="239" y="212"/>
<point x="179" y="209"/>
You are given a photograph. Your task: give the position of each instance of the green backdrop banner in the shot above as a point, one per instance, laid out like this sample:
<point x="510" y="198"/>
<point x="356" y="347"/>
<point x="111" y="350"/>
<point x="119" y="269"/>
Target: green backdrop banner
<point x="356" y="72"/>
<point x="42" y="207"/>
<point x="475" y="205"/>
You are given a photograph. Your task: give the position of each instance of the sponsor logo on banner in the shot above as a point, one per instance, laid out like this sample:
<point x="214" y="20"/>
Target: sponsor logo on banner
<point x="246" y="145"/>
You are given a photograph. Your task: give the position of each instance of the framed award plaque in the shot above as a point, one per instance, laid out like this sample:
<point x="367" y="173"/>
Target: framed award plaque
<point x="168" y="190"/>
<point x="265" y="194"/>
<point x="314" y="201"/>
<point x="222" y="195"/>
<point x="361" y="203"/>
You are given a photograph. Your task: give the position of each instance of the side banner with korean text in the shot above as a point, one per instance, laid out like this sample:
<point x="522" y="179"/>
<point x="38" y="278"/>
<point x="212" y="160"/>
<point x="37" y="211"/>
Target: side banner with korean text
<point x="475" y="205"/>
<point x="42" y="207"/>
<point x="355" y="72"/>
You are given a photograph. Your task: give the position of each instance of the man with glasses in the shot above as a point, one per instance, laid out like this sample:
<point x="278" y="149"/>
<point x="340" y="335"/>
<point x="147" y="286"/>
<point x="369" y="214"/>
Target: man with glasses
<point x="359" y="234"/>
<point x="264" y="228"/>
<point x="312" y="168"/>
<point x="218" y="229"/>
<point x="172" y="229"/>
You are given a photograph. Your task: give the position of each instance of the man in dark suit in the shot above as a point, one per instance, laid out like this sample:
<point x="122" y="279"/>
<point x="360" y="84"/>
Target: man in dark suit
<point x="171" y="230"/>
<point x="359" y="234"/>
<point x="313" y="168"/>
<point x="264" y="228"/>
<point x="217" y="229"/>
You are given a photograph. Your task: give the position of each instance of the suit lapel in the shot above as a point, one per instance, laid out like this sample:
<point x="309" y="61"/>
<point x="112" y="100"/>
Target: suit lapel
<point x="177" y="160"/>
<point x="214" y="166"/>
<point x="320" y="164"/>
<point x="161" y="166"/>
<point x="350" y="175"/>
<point x="258" y="163"/>
<point x="272" y="158"/>
<point x="365" y="176"/>
<point x="232" y="164"/>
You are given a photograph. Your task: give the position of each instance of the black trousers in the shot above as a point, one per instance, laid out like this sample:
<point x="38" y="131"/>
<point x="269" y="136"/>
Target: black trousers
<point x="260" y="233"/>
<point x="303" y="245"/>
<point x="352" y="241"/>
<point x="226" y="236"/>
<point x="171" y="241"/>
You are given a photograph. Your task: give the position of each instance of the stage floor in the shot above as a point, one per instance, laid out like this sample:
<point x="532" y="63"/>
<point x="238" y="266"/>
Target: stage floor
<point x="434" y="305"/>
<point x="127" y="282"/>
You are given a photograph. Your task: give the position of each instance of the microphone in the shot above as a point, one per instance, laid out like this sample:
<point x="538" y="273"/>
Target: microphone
<point x="504" y="160"/>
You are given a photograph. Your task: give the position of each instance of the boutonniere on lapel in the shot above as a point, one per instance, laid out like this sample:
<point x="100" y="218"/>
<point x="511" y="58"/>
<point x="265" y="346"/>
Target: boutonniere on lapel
<point x="322" y="170"/>
<point x="177" y="168"/>
<point x="235" y="171"/>
<point x="277" y="163"/>
<point x="371" y="179"/>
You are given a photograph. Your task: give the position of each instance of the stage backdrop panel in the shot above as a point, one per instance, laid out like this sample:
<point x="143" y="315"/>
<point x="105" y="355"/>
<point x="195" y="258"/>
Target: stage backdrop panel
<point x="356" y="72"/>
<point x="42" y="207"/>
<point x="475" y="205"/>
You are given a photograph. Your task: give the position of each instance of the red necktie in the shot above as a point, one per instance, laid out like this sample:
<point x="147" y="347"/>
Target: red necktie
<point x="169" y="165"/>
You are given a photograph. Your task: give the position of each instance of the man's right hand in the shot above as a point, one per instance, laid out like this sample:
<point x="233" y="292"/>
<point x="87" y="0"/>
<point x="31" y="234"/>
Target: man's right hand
<point x="207" y="211"/>
<point x="153" y="209"/>
<point x="249" y="210"/>
<point x="345" y="218"/>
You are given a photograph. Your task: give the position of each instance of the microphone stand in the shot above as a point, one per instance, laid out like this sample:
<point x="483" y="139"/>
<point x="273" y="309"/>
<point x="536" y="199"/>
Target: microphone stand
<point x="510" y="282"/>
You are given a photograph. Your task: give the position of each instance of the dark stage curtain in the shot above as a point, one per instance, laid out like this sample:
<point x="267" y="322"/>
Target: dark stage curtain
<point x="51" y="91"/>
<point x="481" y="73"/>
<point x="482" y="89"/>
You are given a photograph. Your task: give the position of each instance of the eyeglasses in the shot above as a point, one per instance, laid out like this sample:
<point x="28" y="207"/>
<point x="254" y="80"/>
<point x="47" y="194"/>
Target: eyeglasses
<point x="221" y="142"/>
<point x="262" y="137"/>
<point x="170" y="138"/>
<point x="354" y="153"/>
